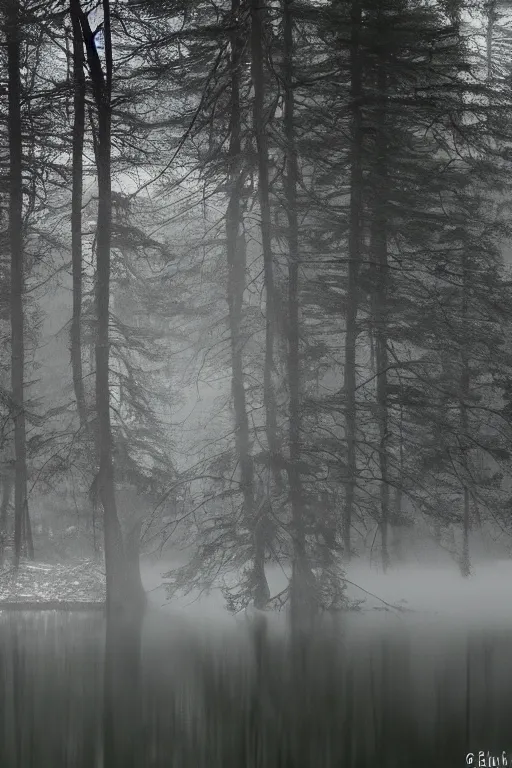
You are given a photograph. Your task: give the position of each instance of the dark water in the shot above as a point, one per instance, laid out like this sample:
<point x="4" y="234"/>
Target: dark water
<point x="369" y="692"/>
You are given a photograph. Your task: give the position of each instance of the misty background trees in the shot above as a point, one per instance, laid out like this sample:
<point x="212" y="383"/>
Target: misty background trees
<point x="255" y="286"/>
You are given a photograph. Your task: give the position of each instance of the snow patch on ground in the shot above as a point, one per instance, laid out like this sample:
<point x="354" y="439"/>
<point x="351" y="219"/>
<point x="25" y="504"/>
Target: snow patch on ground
<point x="82" y="581"/>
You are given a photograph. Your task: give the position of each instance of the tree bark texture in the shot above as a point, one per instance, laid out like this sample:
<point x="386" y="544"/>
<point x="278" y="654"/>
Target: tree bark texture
<point x="79" y="91"/>
<point x="21" y="516"/>
<point x="379" y="247"/>
<point x="118" y="597"/>
<point x="236" y="257"/>
<point x="302" y="592"/>
<point x="354" y="251"/>
<point x="258" y="16"/>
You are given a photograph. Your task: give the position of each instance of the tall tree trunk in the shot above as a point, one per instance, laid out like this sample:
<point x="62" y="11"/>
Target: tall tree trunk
<point x="13" y="34"/>
<point x="236" y="257"/>
<point x="382" y="364"/>
<point x="76" y="214"/>
<point x="464" y="380"/>
<point x="491" y="20"/>
<point x="27" y="529"/>
<point x="7" y="486"/>
<point x="397" y="527"/>
<point x="476" y="514"/>
<point x="302" y="583"/>
<point x="397" y="515"/>
<point x="135" y="587"/>
<point x="115" y="565"/>
<point x="258" y="15"/>
<point x="354" y="248"/>
<point x="379" y="247"/>
<point x="118" y="596"/>
<point x="465" y="565"/>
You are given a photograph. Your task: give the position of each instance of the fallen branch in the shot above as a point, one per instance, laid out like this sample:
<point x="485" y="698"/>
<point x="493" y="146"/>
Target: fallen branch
<point x="390" y="605"/>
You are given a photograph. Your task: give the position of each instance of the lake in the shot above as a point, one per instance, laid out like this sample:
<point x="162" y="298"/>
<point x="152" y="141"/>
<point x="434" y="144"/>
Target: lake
<point x="373" y="689"/>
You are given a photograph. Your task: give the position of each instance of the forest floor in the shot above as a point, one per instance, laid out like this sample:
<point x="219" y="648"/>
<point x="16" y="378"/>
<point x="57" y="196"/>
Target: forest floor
<point x="34" y="582"/>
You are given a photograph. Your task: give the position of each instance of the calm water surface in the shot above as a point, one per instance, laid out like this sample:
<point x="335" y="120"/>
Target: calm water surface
<point x="375" y="690"/>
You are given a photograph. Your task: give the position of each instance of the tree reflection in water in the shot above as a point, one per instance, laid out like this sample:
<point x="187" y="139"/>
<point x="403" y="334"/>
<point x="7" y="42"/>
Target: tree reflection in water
<point x="77" y="693"/>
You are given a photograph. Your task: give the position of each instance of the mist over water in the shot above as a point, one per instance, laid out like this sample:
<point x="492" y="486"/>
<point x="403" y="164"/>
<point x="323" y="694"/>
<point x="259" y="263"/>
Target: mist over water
<point x="434" y="591"/>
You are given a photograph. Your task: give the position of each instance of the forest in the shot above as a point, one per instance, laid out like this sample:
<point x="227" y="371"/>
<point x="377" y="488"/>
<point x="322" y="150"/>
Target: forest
<point x="255" y="288"/>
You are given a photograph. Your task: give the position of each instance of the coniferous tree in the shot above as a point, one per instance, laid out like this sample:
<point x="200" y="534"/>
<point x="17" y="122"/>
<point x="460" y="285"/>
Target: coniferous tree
<point x="101" y="80"/>
<point x="302" y="586"/>
<point x="13" y="31"/>
<point x="79" y="96"/>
